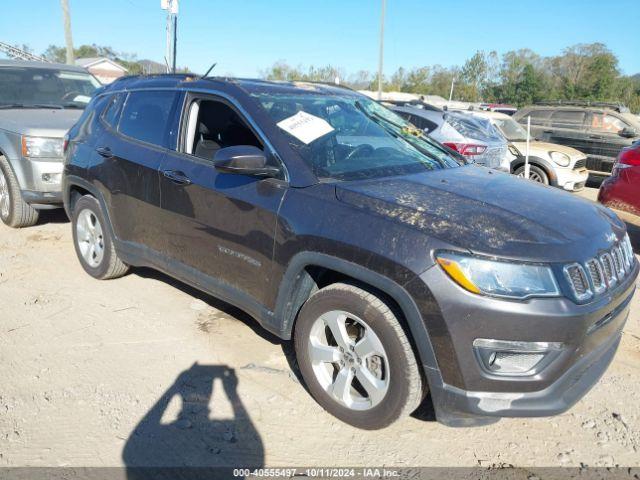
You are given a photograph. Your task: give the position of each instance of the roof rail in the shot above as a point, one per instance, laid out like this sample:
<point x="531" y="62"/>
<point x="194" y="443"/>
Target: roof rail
<point x="617" y="106"/>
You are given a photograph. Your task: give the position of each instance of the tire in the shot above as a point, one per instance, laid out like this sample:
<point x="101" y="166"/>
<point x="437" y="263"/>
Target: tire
<point x="92" y="241"/>
<point x="14" y="211"/>
<point x="536" y="174"/>
<point x="396" y="371"/>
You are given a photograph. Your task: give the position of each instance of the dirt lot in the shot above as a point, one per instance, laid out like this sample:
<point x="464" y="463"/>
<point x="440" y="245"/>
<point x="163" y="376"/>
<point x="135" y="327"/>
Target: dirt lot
<point x="103" y="373"/>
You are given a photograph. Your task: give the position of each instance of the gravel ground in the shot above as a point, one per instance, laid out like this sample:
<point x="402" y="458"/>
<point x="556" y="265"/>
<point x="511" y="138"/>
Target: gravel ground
<point x="146" y="371"/>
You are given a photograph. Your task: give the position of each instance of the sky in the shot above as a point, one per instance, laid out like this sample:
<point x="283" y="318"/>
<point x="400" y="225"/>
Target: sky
<point x="247" y="36"/>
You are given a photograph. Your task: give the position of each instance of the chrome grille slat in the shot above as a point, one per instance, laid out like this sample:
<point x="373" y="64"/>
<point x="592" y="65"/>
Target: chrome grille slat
<point x="602" y="273"/>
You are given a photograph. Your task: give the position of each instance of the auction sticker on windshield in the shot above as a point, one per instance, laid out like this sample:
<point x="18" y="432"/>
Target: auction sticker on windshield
<point x="305" y="127"/>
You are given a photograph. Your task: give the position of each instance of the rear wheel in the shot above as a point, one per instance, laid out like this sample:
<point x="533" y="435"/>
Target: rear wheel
<point x="356" y="358"/>
<point x="92" y="241"/>
<point x="14" y="211"/>
<point x="536" y="174"/>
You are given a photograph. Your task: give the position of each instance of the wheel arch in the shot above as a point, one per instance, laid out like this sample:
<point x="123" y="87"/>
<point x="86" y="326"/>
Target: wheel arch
<point x="309" y="271"/>
<point x="540" y="163"/>
<point x="75" y="187"/>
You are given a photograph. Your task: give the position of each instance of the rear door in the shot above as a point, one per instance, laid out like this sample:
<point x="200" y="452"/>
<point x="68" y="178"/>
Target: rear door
<point x="568" y="128"/>
<point x="133" y="150"/>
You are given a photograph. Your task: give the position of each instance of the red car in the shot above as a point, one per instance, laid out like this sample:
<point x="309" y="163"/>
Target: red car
<point x="622" y="189"/>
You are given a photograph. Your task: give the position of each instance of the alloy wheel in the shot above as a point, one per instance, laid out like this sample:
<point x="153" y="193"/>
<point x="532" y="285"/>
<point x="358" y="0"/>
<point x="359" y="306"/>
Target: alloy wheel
<point x="349" y="360"/>
<point x="90" y="238"/>
<point x="5" y="198"/>
<point x="533" y="176"/>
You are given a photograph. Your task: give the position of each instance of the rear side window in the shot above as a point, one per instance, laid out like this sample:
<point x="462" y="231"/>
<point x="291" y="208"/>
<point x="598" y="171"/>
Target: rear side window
<point x="111" y="114"/>
<point x="146" y="115"/>
<point x="573" y="119"/>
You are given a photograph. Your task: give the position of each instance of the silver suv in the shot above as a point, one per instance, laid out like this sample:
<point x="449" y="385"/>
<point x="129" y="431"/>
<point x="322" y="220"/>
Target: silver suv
<point x="39" y="102"/>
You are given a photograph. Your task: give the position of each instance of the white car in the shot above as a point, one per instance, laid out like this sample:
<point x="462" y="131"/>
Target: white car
<point x="550" y="163"/>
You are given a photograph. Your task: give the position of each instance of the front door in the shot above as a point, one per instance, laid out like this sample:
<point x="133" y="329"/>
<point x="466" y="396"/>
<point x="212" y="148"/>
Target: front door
<point x="218" y="224"/>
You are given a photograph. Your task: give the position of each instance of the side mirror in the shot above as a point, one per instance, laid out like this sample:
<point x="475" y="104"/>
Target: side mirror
<point x="628" y="132"/>
<point x="244" y="160"/>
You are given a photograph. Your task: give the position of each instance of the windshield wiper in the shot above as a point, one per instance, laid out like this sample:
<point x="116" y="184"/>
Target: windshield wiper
<point x="400" y="133"/>
<point x="30" y="105"/>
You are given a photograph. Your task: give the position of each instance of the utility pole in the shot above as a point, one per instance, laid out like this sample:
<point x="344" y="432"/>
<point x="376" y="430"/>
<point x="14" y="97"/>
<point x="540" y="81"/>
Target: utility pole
<point x="453" y="80"/>
<point x="68" y="39"/>
<point x="171" y="6"/>
<point x="381" y="53"/>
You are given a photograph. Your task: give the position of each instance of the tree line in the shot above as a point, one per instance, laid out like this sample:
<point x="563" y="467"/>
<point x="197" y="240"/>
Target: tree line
<point x="520" y="77"/>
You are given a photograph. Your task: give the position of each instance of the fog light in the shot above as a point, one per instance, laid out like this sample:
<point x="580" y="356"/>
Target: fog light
<point x="503" y="357"/>
<point x="51" y="177"/>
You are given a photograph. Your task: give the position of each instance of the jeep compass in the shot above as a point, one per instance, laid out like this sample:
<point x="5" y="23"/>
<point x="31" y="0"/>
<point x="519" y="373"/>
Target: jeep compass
<point x="395" y="268"/>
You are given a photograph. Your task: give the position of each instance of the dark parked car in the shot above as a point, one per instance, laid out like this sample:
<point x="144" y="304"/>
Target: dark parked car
<point x="396" y="269"/>
<point x="599" y="130"/>
<point x="622" y="189"/>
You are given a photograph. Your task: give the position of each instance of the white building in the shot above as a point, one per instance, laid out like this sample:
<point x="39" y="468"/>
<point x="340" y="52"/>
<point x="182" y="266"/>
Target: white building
<point x="103" y="69"/>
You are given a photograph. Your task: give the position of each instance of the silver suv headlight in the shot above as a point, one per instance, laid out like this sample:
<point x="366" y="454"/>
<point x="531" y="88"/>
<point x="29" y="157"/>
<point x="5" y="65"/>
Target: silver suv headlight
<point x="560" y="158"/>
<point x="499" y="278"/>
<point x="41" y="147"/>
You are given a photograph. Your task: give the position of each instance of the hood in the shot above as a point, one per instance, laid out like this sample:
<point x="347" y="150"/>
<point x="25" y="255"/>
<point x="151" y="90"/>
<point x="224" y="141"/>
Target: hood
<point x="491" y="213"/>
<point x="39" y="122"/>
<point x="543" y="148"/>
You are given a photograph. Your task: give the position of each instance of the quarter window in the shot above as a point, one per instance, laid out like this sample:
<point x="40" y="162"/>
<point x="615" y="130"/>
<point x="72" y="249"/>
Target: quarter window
<point x="146" y="115"/>
<point x="538" y="117"/>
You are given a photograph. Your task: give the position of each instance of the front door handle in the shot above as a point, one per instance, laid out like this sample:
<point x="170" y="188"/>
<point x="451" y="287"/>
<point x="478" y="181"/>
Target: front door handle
<point x="104" y="152"/>
<point x="177" y="177"/>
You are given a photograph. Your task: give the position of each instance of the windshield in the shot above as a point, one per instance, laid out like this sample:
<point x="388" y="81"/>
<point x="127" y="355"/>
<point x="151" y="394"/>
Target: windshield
<point x="44" y="87"/>
<point x="511" y="129"/>
<point x="351" y="137"/>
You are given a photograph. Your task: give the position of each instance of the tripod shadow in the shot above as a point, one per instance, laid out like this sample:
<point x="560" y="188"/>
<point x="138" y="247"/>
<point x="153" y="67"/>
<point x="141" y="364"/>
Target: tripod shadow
<point x="192" y="440"/>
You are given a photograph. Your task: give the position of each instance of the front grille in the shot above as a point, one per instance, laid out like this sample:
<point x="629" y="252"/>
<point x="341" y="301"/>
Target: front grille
<point x="598" y="165"/>
<point x="580" y="163"/>
<point x="601" y="273"/>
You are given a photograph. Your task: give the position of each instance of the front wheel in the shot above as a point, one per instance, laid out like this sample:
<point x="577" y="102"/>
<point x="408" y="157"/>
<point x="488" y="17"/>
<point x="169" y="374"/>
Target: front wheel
<point x="536" y="174"/>
<point x="355" y="357"/>
<point x="14" y="211"/>
<point x="92" y="241"/>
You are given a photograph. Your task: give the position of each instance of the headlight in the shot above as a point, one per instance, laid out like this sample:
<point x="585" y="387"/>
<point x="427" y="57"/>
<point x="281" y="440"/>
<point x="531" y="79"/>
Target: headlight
<point x="560" y="158"/>
<point x="499" y="278"/>
<point x="36" y="147"/>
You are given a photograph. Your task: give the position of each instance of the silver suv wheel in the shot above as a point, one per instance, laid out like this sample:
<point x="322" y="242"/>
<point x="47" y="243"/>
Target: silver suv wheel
<point x="5" y="198"/>
<point x="89" y="238"/>
<point x="349" y="360"/>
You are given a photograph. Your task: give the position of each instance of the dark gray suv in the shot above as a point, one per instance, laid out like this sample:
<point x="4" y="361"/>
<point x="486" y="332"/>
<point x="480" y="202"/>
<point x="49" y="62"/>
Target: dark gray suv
<point x="395" y="268"/>
<point x="599" y="130"/>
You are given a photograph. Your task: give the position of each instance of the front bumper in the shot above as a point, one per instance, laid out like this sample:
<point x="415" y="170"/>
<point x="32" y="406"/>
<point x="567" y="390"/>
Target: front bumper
<point x="39" y="175"/>
<point x="464" y="393"/>
<point x="571" y="180"/>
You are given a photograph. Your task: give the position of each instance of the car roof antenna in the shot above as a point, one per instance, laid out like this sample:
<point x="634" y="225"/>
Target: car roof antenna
<point x="209" y="71"/>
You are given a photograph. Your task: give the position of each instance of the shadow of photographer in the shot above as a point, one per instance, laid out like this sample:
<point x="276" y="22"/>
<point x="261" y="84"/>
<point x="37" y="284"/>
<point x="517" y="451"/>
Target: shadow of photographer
<point x="193" y="442"/>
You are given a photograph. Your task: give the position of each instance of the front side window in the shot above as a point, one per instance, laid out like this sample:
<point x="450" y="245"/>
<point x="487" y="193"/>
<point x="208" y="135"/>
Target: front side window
<point x="349" y="137"/>
<point x="45" y="87"/>
<point x="213" y="125"/>
<point x="145" y="116"/>
<point x="607" y="123"/>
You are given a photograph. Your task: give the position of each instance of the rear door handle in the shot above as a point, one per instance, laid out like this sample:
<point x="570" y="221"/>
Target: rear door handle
<point x="104" y="152"/>
<point x="177" y="177"/>
<point x="547" y="131"/>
